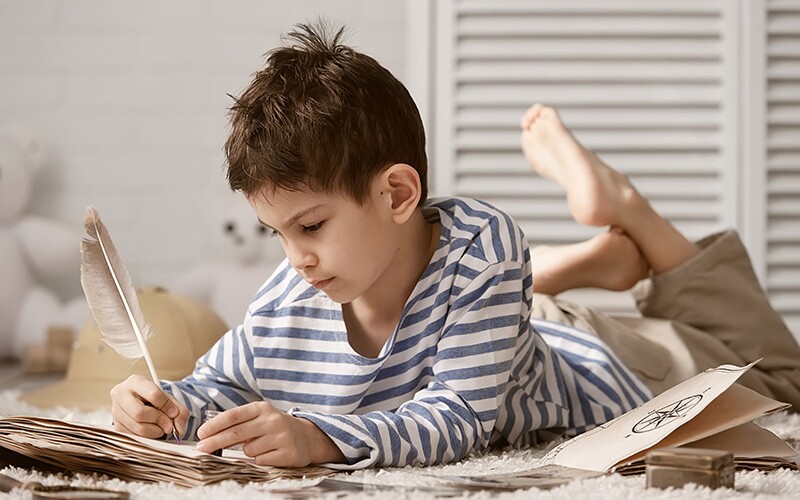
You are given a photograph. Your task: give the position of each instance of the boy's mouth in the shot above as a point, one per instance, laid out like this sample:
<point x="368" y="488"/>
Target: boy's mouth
<point x="320" y="284"/>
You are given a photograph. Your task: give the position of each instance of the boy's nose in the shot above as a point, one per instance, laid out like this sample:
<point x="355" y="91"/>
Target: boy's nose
<point x="301" y="258"/>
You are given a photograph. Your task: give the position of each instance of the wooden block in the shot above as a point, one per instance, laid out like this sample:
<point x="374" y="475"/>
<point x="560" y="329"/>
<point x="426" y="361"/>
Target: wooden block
<point x="674" y="467"/>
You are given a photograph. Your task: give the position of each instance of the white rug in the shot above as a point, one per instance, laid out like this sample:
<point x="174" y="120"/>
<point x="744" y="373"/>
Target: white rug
<point x="749" y="485"/>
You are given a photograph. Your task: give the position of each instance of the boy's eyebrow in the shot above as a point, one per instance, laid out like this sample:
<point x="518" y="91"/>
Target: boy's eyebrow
<point x="265" y="224"/>
<point x="299" y="215"/>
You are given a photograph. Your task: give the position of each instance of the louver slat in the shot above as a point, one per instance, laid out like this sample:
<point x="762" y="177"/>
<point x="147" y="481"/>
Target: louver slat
<point x="783" y="159"/>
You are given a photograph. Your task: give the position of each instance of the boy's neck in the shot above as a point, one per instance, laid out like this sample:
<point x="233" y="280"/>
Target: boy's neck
<point x="372" y="317"/>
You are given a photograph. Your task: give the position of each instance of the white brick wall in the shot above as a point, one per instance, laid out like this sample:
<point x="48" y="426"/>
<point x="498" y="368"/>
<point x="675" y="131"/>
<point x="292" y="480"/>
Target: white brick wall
<point x="132" y="96"/>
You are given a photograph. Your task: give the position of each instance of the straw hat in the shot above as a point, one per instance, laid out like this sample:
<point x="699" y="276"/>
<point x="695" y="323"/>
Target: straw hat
<point x="184" y="330"/>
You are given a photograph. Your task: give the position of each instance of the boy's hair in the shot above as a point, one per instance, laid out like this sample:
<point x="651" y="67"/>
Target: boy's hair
<point x="322" y="115"/>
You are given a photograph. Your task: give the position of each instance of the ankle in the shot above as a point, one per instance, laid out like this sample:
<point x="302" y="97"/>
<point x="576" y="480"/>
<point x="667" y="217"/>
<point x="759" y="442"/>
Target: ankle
<point x="634" y="209"/>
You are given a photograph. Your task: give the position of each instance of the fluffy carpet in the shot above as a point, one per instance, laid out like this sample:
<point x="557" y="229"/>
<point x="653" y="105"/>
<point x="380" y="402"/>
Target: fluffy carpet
<point x="749" y="485"/>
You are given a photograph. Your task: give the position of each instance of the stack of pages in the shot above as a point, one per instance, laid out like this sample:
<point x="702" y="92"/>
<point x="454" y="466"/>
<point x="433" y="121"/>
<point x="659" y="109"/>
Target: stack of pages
<point x="85" y="448"/>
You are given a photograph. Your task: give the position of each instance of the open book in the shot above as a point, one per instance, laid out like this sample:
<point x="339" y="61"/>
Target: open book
<point x="87" y="448"/>
<point x="707" y="411"/>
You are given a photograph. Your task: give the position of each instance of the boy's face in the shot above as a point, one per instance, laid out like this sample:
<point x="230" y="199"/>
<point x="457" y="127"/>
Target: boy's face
<point x="337" y="245"/>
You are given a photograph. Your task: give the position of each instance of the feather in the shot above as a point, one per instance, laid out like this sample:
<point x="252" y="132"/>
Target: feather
<point x="110" y="294"/>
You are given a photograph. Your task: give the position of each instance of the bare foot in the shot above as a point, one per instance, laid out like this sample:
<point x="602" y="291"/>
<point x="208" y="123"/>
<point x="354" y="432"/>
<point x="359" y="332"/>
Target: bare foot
<point x="610" y="261"/>
<point x="597" y="195"/>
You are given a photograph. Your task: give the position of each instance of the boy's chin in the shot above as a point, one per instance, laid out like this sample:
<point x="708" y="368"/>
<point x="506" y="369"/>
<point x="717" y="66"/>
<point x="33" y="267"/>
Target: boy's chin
<point x="339" y="298"/>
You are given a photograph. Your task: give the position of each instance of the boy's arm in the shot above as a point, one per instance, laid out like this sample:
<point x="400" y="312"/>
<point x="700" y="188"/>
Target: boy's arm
<point x="456" y="412"/>
<point x="222" y="378"/>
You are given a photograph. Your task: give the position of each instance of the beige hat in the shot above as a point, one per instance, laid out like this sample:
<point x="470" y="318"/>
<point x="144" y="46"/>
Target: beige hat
<point x="184" y="330"/>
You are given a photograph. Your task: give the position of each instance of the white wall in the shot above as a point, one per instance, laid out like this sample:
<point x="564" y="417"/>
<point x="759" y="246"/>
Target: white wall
<point x="132" y="96"/>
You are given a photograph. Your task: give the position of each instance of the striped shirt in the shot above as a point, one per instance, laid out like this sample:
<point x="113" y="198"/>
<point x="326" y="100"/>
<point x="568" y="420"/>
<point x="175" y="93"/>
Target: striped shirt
<point x="465" y="368"/>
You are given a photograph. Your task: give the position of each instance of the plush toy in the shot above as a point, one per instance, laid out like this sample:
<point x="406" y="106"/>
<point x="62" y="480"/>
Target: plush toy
<point x="31" y="247"/>
<point x="245" y="256"/>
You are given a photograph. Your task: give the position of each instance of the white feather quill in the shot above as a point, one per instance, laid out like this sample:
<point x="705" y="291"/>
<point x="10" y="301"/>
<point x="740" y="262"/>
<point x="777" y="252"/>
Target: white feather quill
<point x="112" y="298"/>
<point x="111" y="295"/>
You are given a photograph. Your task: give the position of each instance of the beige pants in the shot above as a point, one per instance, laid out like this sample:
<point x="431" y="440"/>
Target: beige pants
<point x="706" y="312"/>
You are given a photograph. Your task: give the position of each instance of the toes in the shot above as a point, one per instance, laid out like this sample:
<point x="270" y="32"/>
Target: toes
<point x="525" y="121"/>
<point x="530" y="116"/>
<point x="548" y="113"/>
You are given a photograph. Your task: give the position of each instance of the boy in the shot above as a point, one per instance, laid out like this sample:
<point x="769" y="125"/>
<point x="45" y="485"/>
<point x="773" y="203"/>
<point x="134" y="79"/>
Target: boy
<point x="397" y="331"/>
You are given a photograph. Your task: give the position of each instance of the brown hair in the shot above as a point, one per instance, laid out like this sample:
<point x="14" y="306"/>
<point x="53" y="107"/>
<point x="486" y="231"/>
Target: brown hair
<point x="322" y="115"/>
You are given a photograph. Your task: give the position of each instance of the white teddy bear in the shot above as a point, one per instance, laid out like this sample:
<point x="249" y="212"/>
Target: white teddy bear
<point x="246" y="257"/>
<point x="31" y="246"/>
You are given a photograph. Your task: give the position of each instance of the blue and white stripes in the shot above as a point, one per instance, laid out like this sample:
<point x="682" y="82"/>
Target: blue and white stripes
<point x="464" y="368"/>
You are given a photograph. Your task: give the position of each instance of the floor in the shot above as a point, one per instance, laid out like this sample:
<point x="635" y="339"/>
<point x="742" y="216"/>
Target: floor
<point x="13" y="377"/>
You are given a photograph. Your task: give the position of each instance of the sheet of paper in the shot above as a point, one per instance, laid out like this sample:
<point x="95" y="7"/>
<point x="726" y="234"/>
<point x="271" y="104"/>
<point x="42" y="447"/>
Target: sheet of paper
<point x="641" y="428"/>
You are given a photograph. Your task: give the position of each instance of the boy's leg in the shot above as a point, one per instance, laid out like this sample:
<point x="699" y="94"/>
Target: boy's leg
<point x="708" y="292"/>
<point x="723" y="315"/>
<point x="610" y="261"/>
<point x="597" y="194"/>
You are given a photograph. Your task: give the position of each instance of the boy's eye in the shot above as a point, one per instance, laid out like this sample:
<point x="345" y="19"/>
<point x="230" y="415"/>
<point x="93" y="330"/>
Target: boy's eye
<point x="313" y="227"/>
<point x="268" y="231"/>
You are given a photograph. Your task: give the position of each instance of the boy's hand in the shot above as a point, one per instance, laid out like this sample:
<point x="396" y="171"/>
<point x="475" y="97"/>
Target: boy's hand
<point x="268" y="435"/>
<point x="138" y="406"/>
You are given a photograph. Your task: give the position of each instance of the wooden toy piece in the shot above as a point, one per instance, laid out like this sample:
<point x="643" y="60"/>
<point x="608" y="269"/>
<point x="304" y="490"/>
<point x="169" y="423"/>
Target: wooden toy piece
<point x="675" y="467"/>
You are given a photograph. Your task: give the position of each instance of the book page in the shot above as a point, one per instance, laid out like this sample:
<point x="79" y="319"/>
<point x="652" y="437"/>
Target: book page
<point x="747" y="441"/>
<point x="641" y="428"/>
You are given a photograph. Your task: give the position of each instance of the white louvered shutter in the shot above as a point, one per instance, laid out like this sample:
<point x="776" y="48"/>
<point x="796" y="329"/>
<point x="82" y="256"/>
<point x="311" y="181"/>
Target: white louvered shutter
<point x="647" y="85"/>
<point x="783" y="159"/>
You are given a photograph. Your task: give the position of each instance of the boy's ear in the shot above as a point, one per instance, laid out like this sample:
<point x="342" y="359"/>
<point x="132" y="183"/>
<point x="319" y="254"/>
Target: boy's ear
<point x="401" y="182"/>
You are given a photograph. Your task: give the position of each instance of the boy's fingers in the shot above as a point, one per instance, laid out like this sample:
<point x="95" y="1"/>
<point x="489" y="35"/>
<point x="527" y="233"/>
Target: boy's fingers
<point x="136" y="421"/>
<point x="182" y="416"/>
<point x="259" y="446"/>
<point x="138" y="414"/>
<point x="215" y="425"/>
<point x="171" y="408"/>
<point x="231" y="436"/>
<point x="135" y="407"/>
<point x="156" y="416"/>
<point x="233" y="417"/>
<point x="240" y="425"/>
<point x="167" y="409"/>
<point x="153" y="394"/>
<point x="120" y="427"/>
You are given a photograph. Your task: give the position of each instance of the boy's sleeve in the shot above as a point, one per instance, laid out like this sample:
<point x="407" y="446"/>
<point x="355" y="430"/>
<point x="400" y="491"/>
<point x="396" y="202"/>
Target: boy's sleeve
<point x="456" y="412"/>
<point x="221" y="379"/>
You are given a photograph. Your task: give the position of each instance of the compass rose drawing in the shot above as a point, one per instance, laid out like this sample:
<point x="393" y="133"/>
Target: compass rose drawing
<point x="667" y="414"/>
